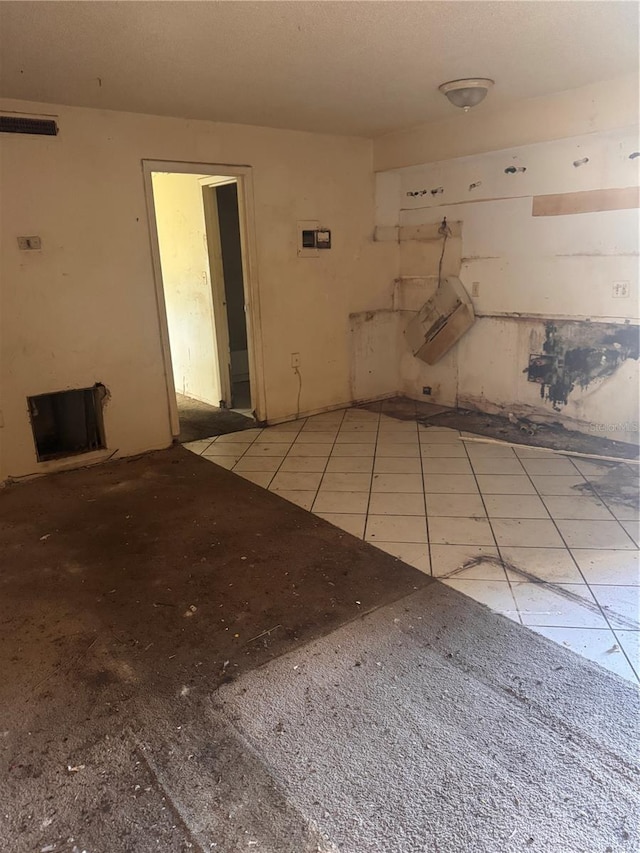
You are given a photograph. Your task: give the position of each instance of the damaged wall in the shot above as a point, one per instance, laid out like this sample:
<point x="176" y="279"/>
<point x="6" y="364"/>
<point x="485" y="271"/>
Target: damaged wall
<point x="555" y="292"/>
<point x="83" y="309"/>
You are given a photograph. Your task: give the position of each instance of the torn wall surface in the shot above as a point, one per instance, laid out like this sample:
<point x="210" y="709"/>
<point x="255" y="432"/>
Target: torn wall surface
<point x="577" y="272"/>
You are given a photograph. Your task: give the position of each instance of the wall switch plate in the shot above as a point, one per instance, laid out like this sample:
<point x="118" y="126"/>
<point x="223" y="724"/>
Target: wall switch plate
<point x="295" y="359"/>
<point x="29" y="244"/>
<point x="475" y="288"/>
<point x="621" y="289"/>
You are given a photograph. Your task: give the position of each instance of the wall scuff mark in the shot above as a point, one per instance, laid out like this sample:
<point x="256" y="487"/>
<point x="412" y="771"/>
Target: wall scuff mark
<point x="574" y="354"/>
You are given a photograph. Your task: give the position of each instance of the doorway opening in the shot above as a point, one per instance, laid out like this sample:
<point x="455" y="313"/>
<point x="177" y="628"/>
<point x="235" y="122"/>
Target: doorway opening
<point x="201" y="258"/>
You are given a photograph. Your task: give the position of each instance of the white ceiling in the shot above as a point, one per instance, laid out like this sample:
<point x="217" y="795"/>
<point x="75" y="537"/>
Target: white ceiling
<point x="361" y="68"/>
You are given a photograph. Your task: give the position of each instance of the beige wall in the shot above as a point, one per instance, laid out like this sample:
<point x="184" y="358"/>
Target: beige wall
<point x="184" y="258"/>
<point x="83" y="309"/>
<point x="601" y="106"/>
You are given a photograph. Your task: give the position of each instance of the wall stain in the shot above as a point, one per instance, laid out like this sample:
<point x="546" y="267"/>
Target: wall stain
<point x="574" y="354"/>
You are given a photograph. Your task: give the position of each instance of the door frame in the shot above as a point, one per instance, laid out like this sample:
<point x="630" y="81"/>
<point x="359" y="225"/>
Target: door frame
<point x="244" y="178"/>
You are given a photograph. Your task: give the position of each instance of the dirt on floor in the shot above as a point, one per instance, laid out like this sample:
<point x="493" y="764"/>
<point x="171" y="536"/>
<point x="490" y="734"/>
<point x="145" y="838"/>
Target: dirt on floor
<point x="200" y="420"/>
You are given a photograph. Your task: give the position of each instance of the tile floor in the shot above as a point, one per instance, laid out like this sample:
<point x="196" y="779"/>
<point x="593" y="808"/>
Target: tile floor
<point x="522" y="530"/>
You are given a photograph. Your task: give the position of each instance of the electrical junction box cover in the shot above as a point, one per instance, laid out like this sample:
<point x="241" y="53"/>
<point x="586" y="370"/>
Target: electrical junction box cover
<point x="441" y="321"/>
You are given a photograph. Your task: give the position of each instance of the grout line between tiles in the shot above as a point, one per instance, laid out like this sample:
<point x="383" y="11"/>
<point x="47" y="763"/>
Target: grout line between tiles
<point x="587" y="584"/>
<point x="424" y="498"/>
<point x="335" y="441"/>
<point x="506" y="574"/>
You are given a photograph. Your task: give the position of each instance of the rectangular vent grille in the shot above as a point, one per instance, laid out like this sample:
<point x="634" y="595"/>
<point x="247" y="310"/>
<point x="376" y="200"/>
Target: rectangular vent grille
<point x="19" y="124"/>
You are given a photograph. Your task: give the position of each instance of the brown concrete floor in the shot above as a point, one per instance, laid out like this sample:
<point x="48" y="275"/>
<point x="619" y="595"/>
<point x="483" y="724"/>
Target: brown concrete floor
<point x="200" y="420"/>
<point x="131" y="592"/>
<point x="147" y="577"/>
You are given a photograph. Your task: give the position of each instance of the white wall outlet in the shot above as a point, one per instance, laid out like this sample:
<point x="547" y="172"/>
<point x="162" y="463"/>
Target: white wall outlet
<point x="295" y="359"/>
<point x="475" y="288"/>
<point x="621" y="289"/>
<point x="29" y="244"/>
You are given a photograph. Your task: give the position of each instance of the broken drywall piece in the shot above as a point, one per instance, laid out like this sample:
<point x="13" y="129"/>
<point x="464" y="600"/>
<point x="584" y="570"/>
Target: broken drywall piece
<point x="442" y="320"/>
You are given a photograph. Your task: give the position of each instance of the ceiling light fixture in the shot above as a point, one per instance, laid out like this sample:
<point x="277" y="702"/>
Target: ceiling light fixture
<point x="466" y="93"/>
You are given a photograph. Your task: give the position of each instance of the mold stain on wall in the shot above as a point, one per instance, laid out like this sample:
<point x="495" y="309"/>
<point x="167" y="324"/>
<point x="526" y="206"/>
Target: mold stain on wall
<point x="574" y="354"/>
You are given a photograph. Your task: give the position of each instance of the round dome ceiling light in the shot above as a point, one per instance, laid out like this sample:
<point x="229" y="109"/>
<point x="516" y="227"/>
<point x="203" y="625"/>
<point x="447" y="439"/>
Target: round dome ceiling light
<point x="466" y="93"/>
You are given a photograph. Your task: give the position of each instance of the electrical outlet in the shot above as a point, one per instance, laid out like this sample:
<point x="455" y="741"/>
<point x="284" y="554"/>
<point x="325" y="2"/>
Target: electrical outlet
<point x="620" y="289"/>
<point x="475" y="288"/>
<point x="426" y="390"/>
<point x="295" y="359"/>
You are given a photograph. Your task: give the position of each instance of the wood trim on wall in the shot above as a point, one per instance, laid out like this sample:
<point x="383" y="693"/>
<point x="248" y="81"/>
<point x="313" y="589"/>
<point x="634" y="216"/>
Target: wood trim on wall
<point x="587" y="201"/>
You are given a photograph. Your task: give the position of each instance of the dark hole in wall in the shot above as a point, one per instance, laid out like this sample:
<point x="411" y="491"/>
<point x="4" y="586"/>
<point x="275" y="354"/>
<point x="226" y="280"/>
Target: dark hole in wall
<point x="66" y="423"/>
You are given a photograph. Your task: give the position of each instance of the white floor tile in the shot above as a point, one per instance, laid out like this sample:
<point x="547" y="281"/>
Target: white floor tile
<point x="199" y="446"/>
<point x="349" y="428"/>
<point x="494" y="594"/>
<point x="217" y="449"/>
<point x="223" y="461"/>
<point x="309" y="437"/>
<point x="352" y="523"/>
<point x="526" y="532"/>
<point x="295" y="481"/>
<point x="549" y="565"/>
<point x="561" y="485"/>
<point x="396" y="528"/>
<point x="577" y="506"/>
<point x="393" y="465"/>
<point x="259" y="448"/>
<point x="259" y="463"/>
<point x="406" y="451"/>
<point x="592" y="469"/>
<point x="450" y="484"/>
<point x="346" y="482"/>
<point x="621" y="605"/>
<point x="260" y="478"/>
<point x="630" y="643"/>
<point x="632" y="528"/>
<point x="621" y="568"/>
<point x="315" y="449"/>
<point x="341" y="502"/>
<point x="505" y="484"/>
<point x="243" y="436"/>
<point x="290" y="426"/>
<point x="491" y="465"/>
<point x="466" y="506"/>
<point x="467" y="562"/>
<point x="556" y="466"/>
<point x="445" y="530"/>
<point x="478" y="450"/>
<point x="356" y="449"/>
<point x="526" y="452"/>
<point x="595" y="534"/>
<point x="441" y="437"/>
<point x="396" y="503"/>
<point x="350" y="464"/>
<point x="347" y="436"/>
<point x="515" y="506"/>
<point x="446" y="465"/>
<point x="446" y="450"/>
<point x="386" y="437"/>
<point x="599" y="645"/>
<point x="623" y="512"/>
<point x="559" y="605"/>
<point x="397" y="483"/>
<point x="412" y="553"/>
<point x="303" y="499"/>
<point x="274" y="435"/>
<point x="312" y="464"/>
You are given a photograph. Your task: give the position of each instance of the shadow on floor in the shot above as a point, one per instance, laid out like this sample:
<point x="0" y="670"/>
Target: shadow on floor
<point x="200" y="420"/>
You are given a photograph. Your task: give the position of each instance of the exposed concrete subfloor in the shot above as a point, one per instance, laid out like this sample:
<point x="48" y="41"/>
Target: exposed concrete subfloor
<point x="192" y="663"/>
<point x="549" y="540"/>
